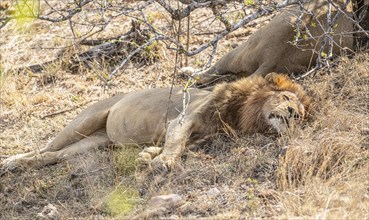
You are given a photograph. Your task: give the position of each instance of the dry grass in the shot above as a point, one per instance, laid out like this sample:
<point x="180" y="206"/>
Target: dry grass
<point x="320" y="172"/>
<point x="324" y="173"/>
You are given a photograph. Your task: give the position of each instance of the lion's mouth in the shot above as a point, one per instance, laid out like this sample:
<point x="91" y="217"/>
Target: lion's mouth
<point x="279" y="117"/>
<point x="272" y="115"/>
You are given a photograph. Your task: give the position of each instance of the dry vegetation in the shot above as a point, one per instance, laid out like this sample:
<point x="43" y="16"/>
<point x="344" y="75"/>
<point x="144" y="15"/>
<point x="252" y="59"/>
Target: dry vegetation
<point x="318" y="172"/>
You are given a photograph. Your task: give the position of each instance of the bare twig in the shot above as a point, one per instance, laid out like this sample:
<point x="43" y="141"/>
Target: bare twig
<point x="180" y="14"/>
<point x="57" y="112"/>
<point x="133" y="53"/>
<point x="328" y="38"/>
<point x="70" y="12"/>
<point x="101" y="50"/>
<point x="242" y="22"/>
<point x="298" y="23"/>
<point x="174" y="70"/>
<point x="212" y="55"/>
<point x="65" y="110"/>
<point x="188" y="38"/>
<point x="313" y="70"/>
<point x="355" y="22"/>
<point x="221" y="17"/>
<point x="261" y="12"/>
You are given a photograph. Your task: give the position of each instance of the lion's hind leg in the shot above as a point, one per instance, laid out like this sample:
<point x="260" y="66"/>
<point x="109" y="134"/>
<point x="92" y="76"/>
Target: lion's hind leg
<point x="36" y="159"/>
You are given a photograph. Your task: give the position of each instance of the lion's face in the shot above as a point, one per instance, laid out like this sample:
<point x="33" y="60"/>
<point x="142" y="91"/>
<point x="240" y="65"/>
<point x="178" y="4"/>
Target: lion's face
<point x="282" y="110"/>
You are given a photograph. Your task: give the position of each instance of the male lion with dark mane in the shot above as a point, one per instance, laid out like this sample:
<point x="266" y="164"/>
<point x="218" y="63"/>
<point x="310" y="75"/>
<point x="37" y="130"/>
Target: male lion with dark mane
<point x="249" y="105"/>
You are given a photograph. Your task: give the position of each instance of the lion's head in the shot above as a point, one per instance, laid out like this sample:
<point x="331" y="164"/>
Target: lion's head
<point x="274" y="103"/>
<point x="282" y="110"/>
<point x="287" y="105"/>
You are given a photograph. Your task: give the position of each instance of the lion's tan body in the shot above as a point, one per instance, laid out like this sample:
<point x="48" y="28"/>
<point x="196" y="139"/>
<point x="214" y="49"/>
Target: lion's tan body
<point x="271" y="48"/>
<point x="247" y="106"/>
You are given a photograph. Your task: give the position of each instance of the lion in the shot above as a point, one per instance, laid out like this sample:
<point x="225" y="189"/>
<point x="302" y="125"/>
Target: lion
<point x="268" y="105"/>
<point x="274" y="48"/>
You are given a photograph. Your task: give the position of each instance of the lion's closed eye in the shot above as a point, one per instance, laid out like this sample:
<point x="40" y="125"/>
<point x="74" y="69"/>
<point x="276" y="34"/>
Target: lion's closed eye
<point x="285" y="109"/>
<point x="286" y="98"/>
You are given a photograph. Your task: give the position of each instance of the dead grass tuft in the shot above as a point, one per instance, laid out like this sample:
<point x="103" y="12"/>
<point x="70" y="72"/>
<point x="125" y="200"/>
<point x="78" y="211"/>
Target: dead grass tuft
<point x="125" y="159"/>
<point x="323" y="173"/>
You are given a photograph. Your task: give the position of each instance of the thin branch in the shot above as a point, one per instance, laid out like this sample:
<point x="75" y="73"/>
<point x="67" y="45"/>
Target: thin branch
<point x="211" y="55"/>
<point x="313" y="70"/>
<point x="221" y="17"/>
<point x="356" y="23"/>
<point x="298" y="23"/>
<point x="71" y="13"/>
<point x="330" y="30"/>
<point x="188" y="37"/>
<point x="57" y="112"/>
<point x="241" y="23"/>
<point x="101" y="50"/>
<point x="177" y="14"/>
<point x="138" y="49"/>
<point x="65" y="110"/>
<point x="174" y="71"/>
<point x="261" y="12"/>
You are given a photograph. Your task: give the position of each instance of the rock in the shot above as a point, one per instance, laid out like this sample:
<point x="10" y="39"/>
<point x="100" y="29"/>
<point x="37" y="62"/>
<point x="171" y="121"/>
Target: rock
<point x="213" y="192"/>
<point x="187" y="70"/>
<point x="167" y="201"/>
<point x="160" y="205"/>
<point x="48" y="212"/>
<point x="173" y="217"/>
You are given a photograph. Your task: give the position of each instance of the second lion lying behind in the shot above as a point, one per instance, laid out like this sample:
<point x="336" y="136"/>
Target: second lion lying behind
<point x="248" y="106"/>
<point x="274" y="48"/>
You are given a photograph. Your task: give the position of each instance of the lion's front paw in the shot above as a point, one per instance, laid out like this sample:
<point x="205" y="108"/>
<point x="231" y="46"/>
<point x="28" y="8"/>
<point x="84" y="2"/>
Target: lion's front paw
<point x="154" y="159"/>
<point x="10" y="164"/>
<point x="146" y="156"/>
<point x="163" y="163"/>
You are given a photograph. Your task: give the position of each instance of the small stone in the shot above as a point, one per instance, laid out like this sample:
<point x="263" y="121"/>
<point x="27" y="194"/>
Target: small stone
<point x="8" y="190"/>
<point x="161" y="205"/>
<point x="166" y="201"/>
<point x="187" y="70"/>
<point x="174" y="217"/>
<point x="213" y="192"/>
<point x="48" y="212"/>
<point x="234" y="45"/>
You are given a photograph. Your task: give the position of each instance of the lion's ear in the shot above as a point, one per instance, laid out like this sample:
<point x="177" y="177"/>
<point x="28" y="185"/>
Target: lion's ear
<point x="278" y="80"/>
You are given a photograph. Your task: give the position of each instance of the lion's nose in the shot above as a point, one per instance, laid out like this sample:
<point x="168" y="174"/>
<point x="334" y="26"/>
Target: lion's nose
<point x="290" y="110"/>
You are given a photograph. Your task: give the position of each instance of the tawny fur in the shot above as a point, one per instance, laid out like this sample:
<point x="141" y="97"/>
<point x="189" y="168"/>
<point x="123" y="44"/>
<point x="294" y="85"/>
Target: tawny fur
<point x="273" y="48"/>
<point x="247" y="106"/>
